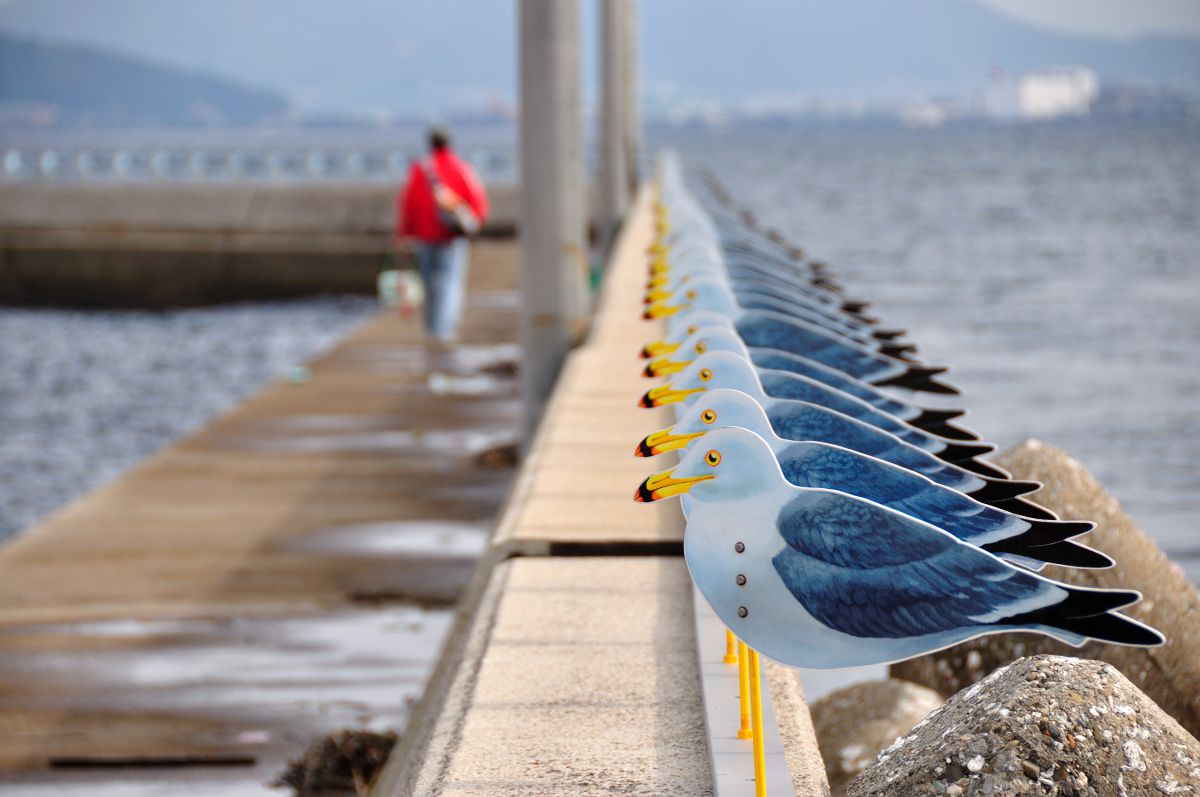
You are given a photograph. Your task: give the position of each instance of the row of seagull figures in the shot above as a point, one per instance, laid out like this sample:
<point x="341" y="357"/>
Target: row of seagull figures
<point x="829" y="523"/>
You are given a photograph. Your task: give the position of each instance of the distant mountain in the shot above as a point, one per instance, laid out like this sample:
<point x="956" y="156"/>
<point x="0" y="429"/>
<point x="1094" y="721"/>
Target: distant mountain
<point x="878" y="49"/>
<point x="368" y="56"/>
<point x="80" y="84"/>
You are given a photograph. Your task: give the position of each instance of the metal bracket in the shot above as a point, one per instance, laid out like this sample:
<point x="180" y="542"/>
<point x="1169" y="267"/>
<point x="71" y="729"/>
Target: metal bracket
<point x="732" y="759"/>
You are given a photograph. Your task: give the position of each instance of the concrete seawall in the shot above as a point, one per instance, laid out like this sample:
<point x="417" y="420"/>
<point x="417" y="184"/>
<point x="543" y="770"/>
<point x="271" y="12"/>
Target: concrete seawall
<point x="157" y="245"/>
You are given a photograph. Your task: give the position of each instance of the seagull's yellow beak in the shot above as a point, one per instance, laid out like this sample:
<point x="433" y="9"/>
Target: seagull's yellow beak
<point x="661" y="310"/>
<point x="665" y="394"/>
<point x="659" y="442"/>
<point x="659" y="265"/>
<point x="658" y="348"/>
<point x="657" y="295"/>
<point x="664" y="485"/>
<point x="664" y="366"/>
<point x="657" y="281"/>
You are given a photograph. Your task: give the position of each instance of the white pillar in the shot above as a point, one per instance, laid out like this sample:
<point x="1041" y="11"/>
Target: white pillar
<point x="551" y="222"/>
<point x="633" y="119"/>
<point x="614" y="167"/>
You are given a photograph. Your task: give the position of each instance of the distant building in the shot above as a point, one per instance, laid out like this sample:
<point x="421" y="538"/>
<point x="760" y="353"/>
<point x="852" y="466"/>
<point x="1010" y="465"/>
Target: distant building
<point x="1048" y="94"/>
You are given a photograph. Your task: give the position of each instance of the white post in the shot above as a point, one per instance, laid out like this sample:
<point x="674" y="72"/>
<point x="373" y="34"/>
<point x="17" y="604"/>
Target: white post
<point x="633" y="121"/>
<point x="613" y="176"/>
<point x="551" y="222"/>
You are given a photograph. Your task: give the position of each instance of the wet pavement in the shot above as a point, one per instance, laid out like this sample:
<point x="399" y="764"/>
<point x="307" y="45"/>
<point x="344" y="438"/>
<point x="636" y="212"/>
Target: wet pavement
<point x="286" y="572"/>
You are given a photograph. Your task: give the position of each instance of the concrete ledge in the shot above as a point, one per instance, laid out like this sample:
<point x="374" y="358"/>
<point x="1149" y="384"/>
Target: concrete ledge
<point x="576" y="677"/>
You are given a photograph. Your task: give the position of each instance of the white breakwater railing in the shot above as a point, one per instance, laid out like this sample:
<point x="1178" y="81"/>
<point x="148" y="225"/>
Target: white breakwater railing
<point x="216" y="164"/>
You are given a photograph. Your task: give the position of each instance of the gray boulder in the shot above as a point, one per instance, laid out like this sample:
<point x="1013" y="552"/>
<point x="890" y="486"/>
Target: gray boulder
<point x="1046" y="725"/>
<point x="855" y="723"/>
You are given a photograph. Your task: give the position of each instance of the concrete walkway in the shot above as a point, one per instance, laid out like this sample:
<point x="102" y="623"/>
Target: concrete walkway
<point x="205" y="615"/>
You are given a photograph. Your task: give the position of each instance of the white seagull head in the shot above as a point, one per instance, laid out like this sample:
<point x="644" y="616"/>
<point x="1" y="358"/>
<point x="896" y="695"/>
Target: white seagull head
<point x="716" y="409"/>
<point x="731" y="464"/>
<point x="711" y="337"/>
<point x="709" y="371"/>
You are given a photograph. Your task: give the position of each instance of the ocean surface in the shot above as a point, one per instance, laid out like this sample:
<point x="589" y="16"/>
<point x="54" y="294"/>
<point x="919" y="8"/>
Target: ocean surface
<point x="1055" y="269"/>
<point x="84" y="396"/>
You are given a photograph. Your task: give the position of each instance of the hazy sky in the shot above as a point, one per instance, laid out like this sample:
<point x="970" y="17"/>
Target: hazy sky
<point x="1117" y="18"/>
<point x="381" y="56"/>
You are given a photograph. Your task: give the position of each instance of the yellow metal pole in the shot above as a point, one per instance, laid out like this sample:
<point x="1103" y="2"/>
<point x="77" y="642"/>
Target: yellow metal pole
<point x="760" y="761"/>
<point x="744" y="732"/>
<point x="731" y="656"/>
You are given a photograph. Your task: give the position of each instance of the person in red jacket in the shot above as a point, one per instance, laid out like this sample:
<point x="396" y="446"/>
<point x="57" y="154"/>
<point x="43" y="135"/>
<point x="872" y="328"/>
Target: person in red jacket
<point x="441" y="205"/>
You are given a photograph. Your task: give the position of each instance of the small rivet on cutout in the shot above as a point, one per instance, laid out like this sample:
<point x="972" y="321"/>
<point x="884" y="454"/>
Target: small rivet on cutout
<point x="742" y="611"/>
<point x="741" y="580"/>
<point x="739" y="547"/>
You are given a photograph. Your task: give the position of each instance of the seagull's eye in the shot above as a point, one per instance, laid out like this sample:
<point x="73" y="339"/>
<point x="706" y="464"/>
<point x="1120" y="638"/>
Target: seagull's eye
<point x="709" y="416"/>
<point x="705" y="374"/>
<point x="691" y="294"/>
<point x="701" y="348"/>
<point x="692" y="329"/>
<point x="713" y="458"/>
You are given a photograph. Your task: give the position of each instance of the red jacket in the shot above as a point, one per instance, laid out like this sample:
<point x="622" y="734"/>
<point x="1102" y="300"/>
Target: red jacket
<point x="417" y="212"/>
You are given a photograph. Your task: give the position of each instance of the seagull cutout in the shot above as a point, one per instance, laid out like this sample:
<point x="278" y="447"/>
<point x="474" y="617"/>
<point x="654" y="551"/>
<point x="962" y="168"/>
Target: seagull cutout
<point x="769" y="330"/>
<point x="782" y="421"/>
<point x="820" y="579"/>
<point x="691" y="258"/>
<point x="725" y="369"/>
<point x="710" y="294"/>
<point x="695" y="289"/>
<point x="1027" y="541"/>
<point x="722" y="338"/>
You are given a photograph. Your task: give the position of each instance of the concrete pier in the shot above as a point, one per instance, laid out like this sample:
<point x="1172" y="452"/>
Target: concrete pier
<point x="264" y="580"/>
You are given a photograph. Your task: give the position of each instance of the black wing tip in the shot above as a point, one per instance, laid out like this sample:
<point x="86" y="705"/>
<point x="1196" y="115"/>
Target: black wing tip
<point x="946" y="430"/>
<point x="1047" y="532"/>
<point x="889" y="334"/>
<point x="1064" y="552"/>
<point x="921" y="378"/>
<point x="1092" y="613"/>
<point x="1026" y="509"/>
<point x="1006" y="490"/>
<point x="961" y="452"/>
<point x="938" y="415"/>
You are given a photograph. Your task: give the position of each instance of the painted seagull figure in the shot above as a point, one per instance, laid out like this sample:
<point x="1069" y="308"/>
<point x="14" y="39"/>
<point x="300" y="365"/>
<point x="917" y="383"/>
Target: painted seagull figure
<point x="725" y="369"/>
<point x="711" y="294"/>
<point x="821" y="579"/>
<point x="723" y="338"/>
<point x="1029" y="542"/>
<point x="756" y="291"/>
<point x="790" y="421"/>
<point x="770" y="330"/>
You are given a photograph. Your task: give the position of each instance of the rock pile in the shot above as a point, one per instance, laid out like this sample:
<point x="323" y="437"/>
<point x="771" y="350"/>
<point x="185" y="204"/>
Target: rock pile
<point x="1047" y="725"/>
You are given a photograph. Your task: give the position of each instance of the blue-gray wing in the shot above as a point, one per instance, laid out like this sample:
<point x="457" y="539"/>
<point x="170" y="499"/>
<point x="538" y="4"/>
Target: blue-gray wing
<point x="798" y="420"/>
<point x="871" y="572"/>
<point x="777" y="360"/>
<point x="800" y="388"/>
<point x="765" y="300"/>
<point x="777" y="331"/>
<point x="834" y="468"/>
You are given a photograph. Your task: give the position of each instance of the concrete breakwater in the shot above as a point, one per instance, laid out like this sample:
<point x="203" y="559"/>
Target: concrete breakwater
<point x="159" y="245"/>
<point x="571" y="667"/>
